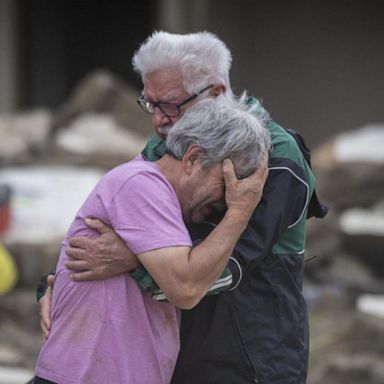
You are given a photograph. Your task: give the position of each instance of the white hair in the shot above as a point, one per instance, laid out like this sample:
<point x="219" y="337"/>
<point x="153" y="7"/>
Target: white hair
<point x="223" y="129"/>
<point x="202" y="58"/>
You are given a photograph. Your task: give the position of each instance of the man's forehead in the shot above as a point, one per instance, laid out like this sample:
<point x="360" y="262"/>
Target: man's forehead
<point x="163" y="85"/>
<point x="166" y="95"/>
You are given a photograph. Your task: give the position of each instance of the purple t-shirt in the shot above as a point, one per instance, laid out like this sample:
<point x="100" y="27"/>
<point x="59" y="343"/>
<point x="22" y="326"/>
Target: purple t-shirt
<point x="111" y="331"/>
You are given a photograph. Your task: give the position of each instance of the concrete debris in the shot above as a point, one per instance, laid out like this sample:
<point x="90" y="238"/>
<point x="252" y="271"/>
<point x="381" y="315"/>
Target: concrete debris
<point x="372" y="305"/>
<point x="23" y="135"/>
<point x="363" y="221"/>
<point x="363" y="145"/>
<point x="363" y="235"/>
<point x="93" y="133"/>
<point x="14" y="375"/>
<point x="103" y="92"/>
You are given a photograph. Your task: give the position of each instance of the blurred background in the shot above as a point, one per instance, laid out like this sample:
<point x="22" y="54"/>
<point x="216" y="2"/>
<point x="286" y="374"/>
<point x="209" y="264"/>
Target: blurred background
<point x="68" y="114"/>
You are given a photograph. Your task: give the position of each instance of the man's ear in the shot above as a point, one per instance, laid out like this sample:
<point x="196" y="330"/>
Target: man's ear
<point x="217" y="90"/>
<point x="191" y="158"/>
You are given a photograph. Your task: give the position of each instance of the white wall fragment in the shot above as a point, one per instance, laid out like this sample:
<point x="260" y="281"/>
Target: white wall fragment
<point x="45" y="200"/>
<point x="371" y="304"/>
<point x="99" y="133"/>
<point x="363" y="145"/>
<point x="9" y="375"/>
<point x="358" y="221"/>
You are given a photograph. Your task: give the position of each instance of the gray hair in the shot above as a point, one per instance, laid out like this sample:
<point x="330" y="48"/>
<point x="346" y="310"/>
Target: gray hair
<point x="202" y="57"/>
<point x="223" y="129"/>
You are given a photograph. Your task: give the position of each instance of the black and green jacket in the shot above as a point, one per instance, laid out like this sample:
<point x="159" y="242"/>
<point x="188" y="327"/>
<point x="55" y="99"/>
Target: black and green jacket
<point x="256" y="331"/>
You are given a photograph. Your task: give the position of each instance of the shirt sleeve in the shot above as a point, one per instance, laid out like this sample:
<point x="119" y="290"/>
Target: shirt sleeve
<point x="146" y="214"/>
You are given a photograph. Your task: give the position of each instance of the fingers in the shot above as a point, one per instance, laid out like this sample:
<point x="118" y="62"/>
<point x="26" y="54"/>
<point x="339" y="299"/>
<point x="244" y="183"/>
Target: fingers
<point x="260" y="174"/>
<point x="76" y="250"/>
<point x="82" y="244"/>
<point x="45" y="313"/>
<point x="264" y="165"/>
<point x="85" y="276"/>
<point x="44" y="330"/>
<point x="77" y="265"/>
<point x="50" y="281"/>
<point x="243" y="195"/>
<point x="264" y="159"/>
<point x="98" y="225"/>
<point x="229" y="172"/>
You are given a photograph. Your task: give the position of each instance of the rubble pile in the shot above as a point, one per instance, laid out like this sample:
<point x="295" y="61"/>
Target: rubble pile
<point x="24" y="136"/>
<point x="347" y="312"/>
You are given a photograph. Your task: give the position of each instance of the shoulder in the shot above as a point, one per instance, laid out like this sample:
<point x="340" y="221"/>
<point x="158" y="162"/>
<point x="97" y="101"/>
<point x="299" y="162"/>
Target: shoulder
<point x="284" y="145"/>
<point x="286" y="151"/>
<point x="135" y="176"/>
<point x="138" y="168"/>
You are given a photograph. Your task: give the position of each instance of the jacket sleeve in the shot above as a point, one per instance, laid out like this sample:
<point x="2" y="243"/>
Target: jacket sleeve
<point x="284" y="202"/>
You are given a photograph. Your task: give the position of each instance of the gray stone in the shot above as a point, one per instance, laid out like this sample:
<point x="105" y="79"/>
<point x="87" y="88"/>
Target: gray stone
<point x="103" y="92"/>
<point x="96" y="136"/>
<point x="10" y="375"/>
<point x="348" y="164"/>
<point x="363" y="235"/>
<point x="24" y="135"/>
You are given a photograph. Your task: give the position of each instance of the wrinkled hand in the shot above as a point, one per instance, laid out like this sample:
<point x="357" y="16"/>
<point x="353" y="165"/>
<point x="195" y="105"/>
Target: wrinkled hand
<point x="99" y="258"/>
<point x="242" y="196"/>
<point x="45" y="308"/>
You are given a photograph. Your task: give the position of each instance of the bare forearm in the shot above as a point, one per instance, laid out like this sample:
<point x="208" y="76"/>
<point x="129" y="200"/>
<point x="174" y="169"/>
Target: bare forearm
<point x="185" y="274"/>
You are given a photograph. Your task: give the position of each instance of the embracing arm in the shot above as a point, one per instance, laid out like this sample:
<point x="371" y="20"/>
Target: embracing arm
<point x="185" y="274"/>
<point x="101" y="257"/>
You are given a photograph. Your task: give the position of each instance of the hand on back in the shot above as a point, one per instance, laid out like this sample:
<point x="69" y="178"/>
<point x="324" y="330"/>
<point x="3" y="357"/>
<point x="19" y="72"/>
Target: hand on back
<point x="101" y="257"/>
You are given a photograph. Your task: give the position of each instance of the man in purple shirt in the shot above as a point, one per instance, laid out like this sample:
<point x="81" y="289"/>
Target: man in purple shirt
<point x="113" y="331"/>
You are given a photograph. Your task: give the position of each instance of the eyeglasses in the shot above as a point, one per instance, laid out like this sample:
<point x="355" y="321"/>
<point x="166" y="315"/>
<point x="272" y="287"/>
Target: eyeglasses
<point x="168" y="109"/>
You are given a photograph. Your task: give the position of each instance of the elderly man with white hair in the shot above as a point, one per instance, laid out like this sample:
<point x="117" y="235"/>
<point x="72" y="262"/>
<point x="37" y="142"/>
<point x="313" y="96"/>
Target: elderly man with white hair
<point x="256" y="329"/>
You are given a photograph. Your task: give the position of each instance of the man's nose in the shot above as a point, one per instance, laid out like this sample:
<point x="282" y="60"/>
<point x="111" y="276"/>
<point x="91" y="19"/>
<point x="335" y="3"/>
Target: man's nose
<point x="159" y="119"/>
